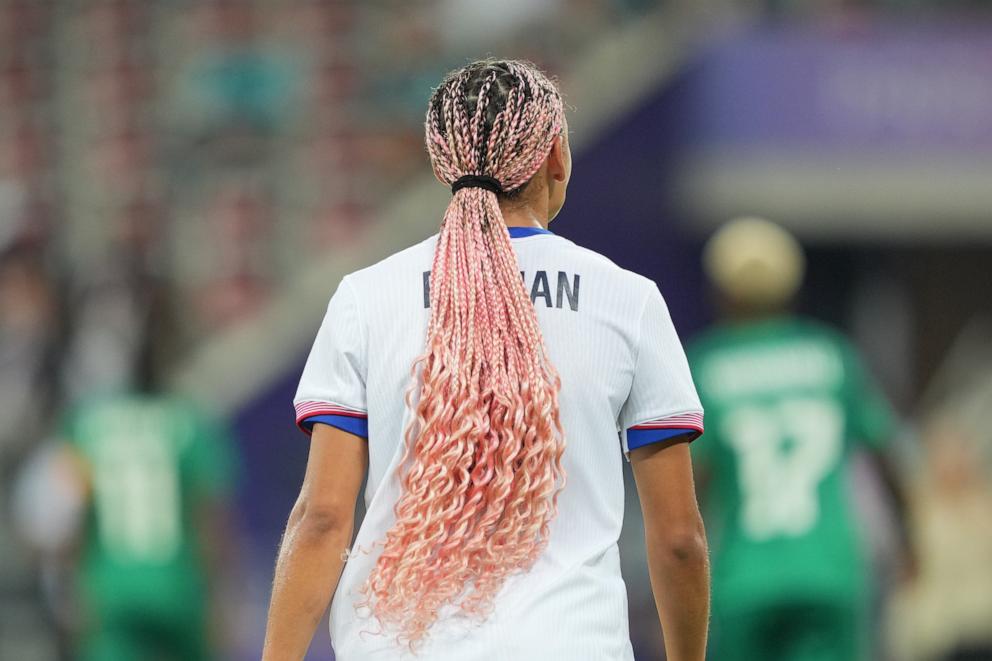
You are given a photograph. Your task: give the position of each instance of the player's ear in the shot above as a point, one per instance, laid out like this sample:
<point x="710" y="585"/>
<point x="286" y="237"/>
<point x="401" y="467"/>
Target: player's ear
<point x="559" y="169"/>
<point x="558" y="162"/>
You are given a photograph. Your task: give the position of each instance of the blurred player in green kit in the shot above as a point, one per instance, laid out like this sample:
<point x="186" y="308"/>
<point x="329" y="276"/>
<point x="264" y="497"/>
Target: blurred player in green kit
<point x="787" y="401"/>
<point x="156" y="477"/>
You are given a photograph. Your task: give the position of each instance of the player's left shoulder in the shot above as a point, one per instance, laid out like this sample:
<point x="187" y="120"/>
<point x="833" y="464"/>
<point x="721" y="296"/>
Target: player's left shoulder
<point x="597" y="261"/>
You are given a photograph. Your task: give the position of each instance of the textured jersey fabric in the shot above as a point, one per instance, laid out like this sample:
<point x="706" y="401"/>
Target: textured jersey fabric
<point x="787" y="400"/>
<point x="625" y="381"/>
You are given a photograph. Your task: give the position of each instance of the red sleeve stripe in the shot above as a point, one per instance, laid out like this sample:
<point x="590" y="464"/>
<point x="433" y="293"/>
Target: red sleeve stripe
<point x="308" y="409"/>
<point x="678" y="421"/>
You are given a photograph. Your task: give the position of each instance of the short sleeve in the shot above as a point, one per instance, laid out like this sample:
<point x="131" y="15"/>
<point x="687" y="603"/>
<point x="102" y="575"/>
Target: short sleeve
<point x="332" y="388"/>
<point x="662" y="402"/>
<point x="870" y="416"/>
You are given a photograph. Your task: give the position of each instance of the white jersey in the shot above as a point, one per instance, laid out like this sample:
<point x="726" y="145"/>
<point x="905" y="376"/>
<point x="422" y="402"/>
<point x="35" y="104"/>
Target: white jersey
<point x="625" y="383"/>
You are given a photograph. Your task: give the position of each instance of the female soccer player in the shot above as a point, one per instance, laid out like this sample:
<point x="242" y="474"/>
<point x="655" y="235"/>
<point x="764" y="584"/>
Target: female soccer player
<point x="495" y="492"/>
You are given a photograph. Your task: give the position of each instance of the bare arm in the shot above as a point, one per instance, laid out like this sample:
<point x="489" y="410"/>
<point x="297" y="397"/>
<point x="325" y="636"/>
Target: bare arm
<point x="676" y="546"/>
<point x="317" y="535"/>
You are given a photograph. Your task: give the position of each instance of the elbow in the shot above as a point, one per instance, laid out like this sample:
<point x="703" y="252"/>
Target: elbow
<point x="683" y="546"/>
<point x="690" y="549"/>
<point x="314" y="521"/>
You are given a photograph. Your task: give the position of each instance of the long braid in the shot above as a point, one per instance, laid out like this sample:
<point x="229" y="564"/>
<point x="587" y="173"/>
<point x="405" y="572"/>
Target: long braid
<point x="482" y="462"/>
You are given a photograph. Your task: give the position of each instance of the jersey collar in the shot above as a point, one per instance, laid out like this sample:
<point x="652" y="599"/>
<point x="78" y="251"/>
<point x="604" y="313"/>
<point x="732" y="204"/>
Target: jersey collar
<point x="520" y="232"/>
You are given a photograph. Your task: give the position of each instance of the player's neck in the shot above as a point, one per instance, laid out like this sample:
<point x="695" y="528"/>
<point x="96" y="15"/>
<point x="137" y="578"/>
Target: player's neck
<point x="525" y="215"/>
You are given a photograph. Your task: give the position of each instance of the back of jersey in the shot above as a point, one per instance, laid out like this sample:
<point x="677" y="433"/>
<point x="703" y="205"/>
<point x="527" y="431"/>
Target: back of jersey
<point x="622" y="367"/>
<point x="151" y="463"/>
<point x="786" y="401"/>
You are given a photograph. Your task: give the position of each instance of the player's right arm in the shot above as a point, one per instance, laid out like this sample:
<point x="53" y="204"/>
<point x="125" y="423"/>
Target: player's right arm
<point x="317" y="536"/>
<point x="676" y="546"/>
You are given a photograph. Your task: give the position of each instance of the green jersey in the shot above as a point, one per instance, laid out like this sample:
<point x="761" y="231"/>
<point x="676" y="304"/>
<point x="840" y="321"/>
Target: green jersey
<point x="786" y="402"/>
<point x="152" y="463"/>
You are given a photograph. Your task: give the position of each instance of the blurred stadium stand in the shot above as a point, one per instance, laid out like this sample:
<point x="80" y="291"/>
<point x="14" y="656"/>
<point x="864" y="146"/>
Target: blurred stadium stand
<point x="239" y="157"/>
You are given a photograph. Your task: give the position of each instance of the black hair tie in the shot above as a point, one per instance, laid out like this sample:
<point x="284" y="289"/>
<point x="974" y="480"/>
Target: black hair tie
<point x="477" y="181"/>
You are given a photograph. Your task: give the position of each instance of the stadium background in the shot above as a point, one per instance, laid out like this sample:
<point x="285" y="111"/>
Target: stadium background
<point x="242" y="156"/>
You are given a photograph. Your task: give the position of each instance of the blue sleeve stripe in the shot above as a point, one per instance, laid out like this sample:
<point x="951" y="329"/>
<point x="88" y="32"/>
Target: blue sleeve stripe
<point x="637" y="438"/>
<point x="350" y="424"/>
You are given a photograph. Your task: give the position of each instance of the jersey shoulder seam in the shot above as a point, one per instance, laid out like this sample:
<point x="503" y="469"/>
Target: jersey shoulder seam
<point x="362" y="325"/>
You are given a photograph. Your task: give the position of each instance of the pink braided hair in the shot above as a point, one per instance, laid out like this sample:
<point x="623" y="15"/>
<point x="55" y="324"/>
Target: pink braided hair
<point x="483" y="451"/>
